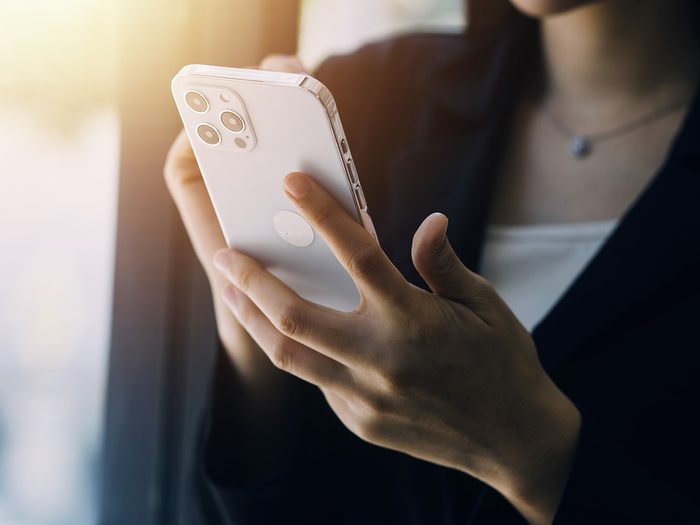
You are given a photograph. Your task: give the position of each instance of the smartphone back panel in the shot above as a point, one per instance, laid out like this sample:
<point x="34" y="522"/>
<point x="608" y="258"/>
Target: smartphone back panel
<point x="247" y="134"/>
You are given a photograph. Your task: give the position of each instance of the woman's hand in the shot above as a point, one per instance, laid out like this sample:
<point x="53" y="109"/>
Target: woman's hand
<point x="450" y="376"/>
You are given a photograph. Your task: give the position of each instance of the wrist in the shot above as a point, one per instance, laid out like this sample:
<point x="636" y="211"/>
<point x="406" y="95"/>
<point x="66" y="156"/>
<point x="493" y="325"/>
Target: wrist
<point x="536" y="484"/>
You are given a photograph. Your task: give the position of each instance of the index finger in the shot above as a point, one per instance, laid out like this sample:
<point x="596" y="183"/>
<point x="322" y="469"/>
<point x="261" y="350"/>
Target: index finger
<point x="356" y="250"/>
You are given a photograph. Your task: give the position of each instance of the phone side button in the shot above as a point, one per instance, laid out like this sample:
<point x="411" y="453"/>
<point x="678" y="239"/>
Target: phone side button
<point x="350" y="170"/>
<point x="361" y="202"/>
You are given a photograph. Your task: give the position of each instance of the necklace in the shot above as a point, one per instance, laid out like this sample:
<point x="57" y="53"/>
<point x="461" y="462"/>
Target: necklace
<point x="581" y="144"/>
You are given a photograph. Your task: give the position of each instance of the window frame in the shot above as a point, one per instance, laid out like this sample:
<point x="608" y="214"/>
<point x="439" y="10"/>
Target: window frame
<point x="163" y="339"/>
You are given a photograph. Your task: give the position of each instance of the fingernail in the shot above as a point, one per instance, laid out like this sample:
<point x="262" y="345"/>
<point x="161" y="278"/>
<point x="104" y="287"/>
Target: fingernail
<point x="222" y="260"/>
<point x="439" y="242"/>
<point x="297" y="185"/>
<point x="447" y="222"/>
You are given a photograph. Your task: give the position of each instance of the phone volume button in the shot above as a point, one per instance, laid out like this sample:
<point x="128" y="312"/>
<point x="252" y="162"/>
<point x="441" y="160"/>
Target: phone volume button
<point x="350" y="169"/>
<point x="360" y="196"/>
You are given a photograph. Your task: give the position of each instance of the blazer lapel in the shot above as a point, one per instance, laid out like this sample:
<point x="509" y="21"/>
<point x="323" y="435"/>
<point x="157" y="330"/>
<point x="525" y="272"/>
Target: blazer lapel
<point x="450" y="165"/>
<point x="657" y="238"/>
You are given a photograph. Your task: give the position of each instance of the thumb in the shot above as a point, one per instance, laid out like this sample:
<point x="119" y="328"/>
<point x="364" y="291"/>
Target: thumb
<point x="438" y="264"/>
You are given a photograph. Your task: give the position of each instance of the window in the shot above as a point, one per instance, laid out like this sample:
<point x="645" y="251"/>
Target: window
<point x="59" y="143"/>
<point x="163" y="333"/>
<point x="340" y="26"/>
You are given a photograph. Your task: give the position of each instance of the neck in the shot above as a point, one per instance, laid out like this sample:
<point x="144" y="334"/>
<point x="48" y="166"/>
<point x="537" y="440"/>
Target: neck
<point x="612" y="59"/>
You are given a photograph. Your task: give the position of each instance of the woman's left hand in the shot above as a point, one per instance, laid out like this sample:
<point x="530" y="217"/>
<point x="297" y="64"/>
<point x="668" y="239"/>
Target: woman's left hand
<point x="450" y="377"/>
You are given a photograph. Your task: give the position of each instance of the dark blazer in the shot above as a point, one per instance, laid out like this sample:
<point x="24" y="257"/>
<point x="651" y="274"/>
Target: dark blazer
<point x="426" y="117"/>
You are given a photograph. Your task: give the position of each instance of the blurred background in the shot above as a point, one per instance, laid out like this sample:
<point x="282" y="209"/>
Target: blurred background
<point x="74" y="81"/>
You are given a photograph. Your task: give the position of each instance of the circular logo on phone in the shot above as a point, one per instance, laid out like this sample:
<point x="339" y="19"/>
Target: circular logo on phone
<point x="293" y="228"/>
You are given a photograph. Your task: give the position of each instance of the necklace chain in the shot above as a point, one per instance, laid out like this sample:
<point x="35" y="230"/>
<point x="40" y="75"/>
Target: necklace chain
<point x="581" y="144"/>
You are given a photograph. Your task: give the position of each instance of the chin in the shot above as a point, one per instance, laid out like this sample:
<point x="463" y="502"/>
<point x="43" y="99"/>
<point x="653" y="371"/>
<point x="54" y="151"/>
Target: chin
<point x="543" y="8"/>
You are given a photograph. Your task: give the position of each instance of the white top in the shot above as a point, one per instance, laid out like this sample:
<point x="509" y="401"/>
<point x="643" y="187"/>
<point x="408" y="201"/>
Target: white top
<point x="532" y="266"/>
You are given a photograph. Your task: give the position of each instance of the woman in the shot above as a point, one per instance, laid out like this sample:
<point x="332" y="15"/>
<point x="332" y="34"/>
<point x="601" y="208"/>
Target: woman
<point x="551" y="115"/>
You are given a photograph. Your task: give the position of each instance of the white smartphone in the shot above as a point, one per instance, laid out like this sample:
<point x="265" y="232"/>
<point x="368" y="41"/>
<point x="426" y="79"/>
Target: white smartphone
<point x="248" y="130"/>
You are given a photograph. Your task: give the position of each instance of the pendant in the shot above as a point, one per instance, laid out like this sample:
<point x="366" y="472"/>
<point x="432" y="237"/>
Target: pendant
<point x="580" y="147"/>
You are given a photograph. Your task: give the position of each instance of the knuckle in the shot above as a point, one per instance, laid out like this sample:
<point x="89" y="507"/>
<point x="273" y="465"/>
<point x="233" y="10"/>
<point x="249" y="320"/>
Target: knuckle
<point x="244" y="313"/>
<point x="377" y="404"/>
<point x="364" y="260"/>
<point x="397" y="377"/>
<point x="290" y="321"/>
<point x="245" y="277"/>
<point x="447" y="264"/>
<point x="369" y="427"/>
<point x="281" y="355"/>
<point x="181" y="174"/>
<point x="323" y="215"/>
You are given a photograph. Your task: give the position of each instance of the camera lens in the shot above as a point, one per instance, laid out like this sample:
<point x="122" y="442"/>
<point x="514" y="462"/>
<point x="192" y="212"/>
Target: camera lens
<point x="232" y="121"/>
<point x="208" y="134"/>
<point x="196" y="101"/>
